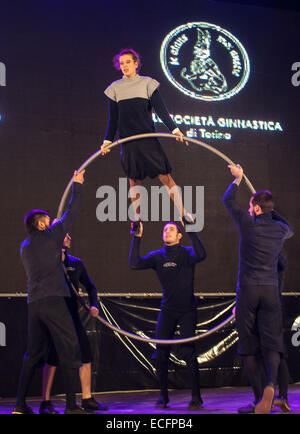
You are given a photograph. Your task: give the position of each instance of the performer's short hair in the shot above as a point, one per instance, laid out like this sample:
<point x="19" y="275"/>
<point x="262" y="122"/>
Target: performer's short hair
<point x="136" y="57"/>
<point x="31" y="219"/>
<point x="264" y="199"/>
<point x="175" y="224"/>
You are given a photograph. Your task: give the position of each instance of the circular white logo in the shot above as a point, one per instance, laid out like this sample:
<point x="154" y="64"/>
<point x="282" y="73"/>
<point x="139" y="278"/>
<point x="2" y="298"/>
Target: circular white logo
<point x="204" y="61"/>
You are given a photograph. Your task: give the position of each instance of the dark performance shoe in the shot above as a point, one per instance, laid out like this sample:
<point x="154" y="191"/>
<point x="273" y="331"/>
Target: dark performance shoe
<point x="248" y="409"/>
<point x="135" y="228"/>
<point x="91" y="404"/>
<point x="22" y="409"/>
<point x="283" y="404"/>
<point x="46" y="407"/>
<point x="195" y="404"/>
<point x="187" y="220"/>
<point x="76" y="410"/>
<point x="162" y="402"/>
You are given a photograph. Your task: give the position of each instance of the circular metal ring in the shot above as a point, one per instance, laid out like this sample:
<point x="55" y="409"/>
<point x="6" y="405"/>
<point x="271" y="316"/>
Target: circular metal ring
<point x="94" y="157"/>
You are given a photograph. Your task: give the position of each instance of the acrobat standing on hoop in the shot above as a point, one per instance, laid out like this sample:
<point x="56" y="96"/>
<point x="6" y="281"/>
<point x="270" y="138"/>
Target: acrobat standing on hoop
<point x="131" y="101"/>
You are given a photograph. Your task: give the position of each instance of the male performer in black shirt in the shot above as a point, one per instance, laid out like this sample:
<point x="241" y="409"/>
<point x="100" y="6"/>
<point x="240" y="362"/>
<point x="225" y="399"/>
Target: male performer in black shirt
<point x="78" y="275"/>
<point x="48" y="316"/>
<point x="258" y="309"/>
<point x="174" y="265"/>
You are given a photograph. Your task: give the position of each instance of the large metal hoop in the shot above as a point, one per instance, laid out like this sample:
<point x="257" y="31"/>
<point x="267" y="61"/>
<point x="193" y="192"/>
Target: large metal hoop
<point x="98" y="154"/>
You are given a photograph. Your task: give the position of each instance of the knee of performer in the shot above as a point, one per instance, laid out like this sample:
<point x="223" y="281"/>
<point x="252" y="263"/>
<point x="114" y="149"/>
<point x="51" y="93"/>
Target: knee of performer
<point x="161" y="356"/>
<point x="189" y="355"/>
<point x="271" y="356"/>
<point x="32" y="362"/>
<point x="71" y="358"/>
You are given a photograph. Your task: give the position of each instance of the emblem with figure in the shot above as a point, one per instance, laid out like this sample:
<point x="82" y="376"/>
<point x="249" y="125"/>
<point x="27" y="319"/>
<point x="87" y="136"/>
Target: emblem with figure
<point x="205" y="61"/>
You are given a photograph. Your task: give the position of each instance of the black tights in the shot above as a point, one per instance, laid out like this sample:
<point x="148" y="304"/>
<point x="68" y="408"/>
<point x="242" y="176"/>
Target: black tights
<point x="193" y="370"/>
<point x="283" y="379"/>
<point x="271" y="360"/>
<point x="254" y="372"/>
<point x="253" y="366"/>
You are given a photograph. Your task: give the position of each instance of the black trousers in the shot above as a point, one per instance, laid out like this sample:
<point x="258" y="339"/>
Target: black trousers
<point x="83" y="340"/>
<point x="165" y="329"/>
<point x="259" y="319"/>
<point x="50" y="321"/>
<point x="259" y="326"/>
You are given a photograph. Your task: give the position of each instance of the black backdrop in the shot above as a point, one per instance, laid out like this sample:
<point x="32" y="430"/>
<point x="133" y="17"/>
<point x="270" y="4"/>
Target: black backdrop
<point x="121" y="363"/>
<point x="57" y="56"/>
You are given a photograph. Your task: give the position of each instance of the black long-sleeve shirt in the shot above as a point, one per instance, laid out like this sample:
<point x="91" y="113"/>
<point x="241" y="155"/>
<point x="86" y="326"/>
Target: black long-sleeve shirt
<point x="78" y="274"/>
<point x="174" y="266"/>
<point x="41" y="254"/>
<point x="282" y="266"/>
<point x="134" y="116"/>
<point x="261" y="241"/>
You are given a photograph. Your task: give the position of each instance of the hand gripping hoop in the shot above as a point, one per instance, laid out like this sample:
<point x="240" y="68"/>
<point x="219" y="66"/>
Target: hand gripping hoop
<point x="62" y="205"/>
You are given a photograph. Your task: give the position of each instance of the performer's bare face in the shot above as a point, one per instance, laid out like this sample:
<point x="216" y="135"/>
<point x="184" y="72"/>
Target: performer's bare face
<point x="128" y="65"/>
<point x="254" y="210"/>
<point x="67" y="242"/>
<point x="171" y="236"/>
<point x="251" y="208"/>
<point x="44" y="223"/>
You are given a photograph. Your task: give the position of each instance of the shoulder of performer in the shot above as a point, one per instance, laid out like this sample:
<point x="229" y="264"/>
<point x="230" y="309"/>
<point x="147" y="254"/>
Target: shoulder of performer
<point x="110" y="91"/>
<point x="74" y="259"/>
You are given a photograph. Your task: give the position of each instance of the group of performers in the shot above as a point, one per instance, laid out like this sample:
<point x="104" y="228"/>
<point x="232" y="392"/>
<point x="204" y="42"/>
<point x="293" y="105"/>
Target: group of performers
<point x="55" y="332"/>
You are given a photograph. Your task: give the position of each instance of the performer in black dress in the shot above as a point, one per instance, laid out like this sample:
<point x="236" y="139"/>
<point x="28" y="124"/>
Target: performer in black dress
<point x="131" y="101"/>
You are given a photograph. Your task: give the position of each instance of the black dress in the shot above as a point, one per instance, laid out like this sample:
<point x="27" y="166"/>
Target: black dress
<point x="131" y="101"/>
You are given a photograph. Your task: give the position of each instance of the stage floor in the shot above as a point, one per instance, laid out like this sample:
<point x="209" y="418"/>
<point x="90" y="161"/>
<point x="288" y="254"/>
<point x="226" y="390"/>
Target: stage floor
<point x="223" y="400"/>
